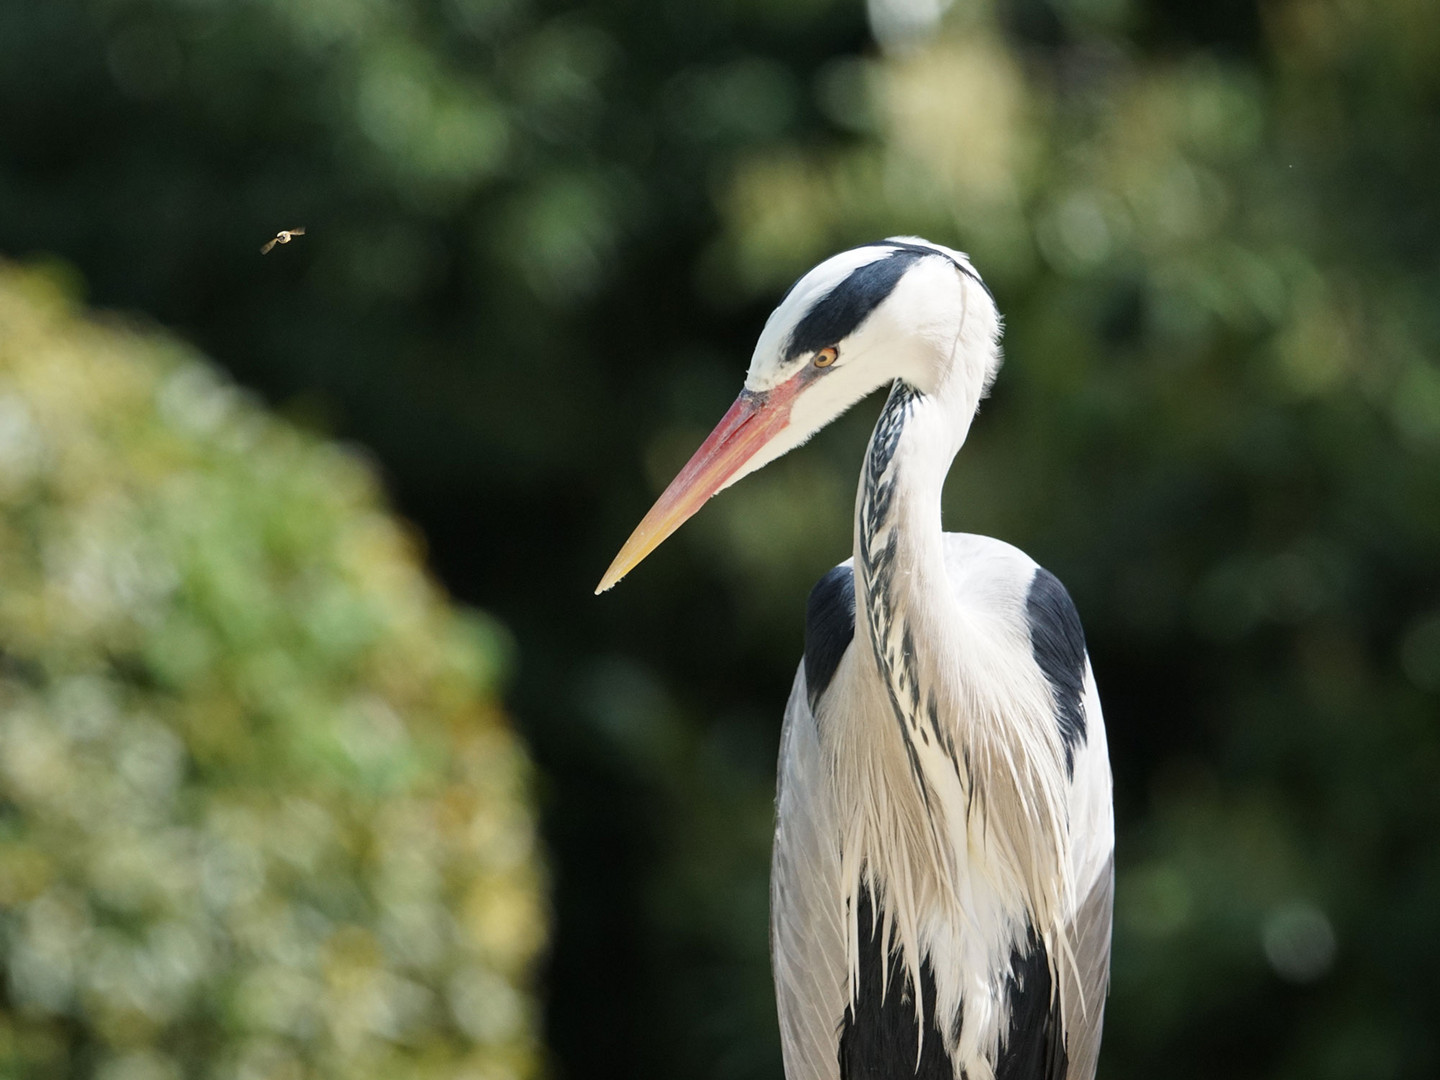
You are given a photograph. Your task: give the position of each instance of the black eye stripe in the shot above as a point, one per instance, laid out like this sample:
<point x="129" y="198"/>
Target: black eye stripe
<point x="839" y="313"/>
<point x="920" y="249"/>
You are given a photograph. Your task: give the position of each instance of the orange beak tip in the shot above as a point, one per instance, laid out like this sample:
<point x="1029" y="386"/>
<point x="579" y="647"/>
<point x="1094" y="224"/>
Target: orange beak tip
<point x="742" y="431"/>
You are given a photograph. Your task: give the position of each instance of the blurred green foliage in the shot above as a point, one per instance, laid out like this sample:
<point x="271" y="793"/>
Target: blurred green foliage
<point x="260" y="815"/>
<point x="541" y="240"/>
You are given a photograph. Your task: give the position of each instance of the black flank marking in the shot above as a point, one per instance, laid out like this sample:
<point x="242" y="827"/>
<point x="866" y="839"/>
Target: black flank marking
<point x="839" y="313"/>
<point x="1057" y="642"/>
<point x="880" y="1036"/>
<point x="829" y="628"/>
<point x="1034" y="1045"/>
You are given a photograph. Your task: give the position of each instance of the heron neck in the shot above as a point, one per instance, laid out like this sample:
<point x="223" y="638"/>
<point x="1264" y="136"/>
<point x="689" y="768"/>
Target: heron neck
<point x="897" y="510"/>
<point x="899" y="553"/>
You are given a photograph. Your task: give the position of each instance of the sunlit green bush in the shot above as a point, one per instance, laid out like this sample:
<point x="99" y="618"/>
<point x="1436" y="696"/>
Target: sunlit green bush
<point x="260" y="815"/>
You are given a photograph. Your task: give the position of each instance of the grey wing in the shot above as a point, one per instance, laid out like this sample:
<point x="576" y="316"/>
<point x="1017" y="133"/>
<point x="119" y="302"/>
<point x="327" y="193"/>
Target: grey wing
<point x="1093" y="857"/>
<point x="1058" y="649"/>
<point x="807" y="944"/>
<point x="1085" y="1011"/>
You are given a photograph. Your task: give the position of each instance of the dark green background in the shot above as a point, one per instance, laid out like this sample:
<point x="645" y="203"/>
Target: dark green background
<point x="541" y="241"/>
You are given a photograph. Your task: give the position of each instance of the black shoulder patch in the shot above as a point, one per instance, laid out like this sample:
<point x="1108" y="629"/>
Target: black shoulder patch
<point x="1034" y="1044"/>
<point x="1057" y="642"/>
<point x="880" y="1036"/>
<point x="829" y="628"/>
<point x="838" y="313"/>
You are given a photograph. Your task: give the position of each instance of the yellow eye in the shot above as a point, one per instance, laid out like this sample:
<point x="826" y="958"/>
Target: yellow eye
<point x="827" y="356"/>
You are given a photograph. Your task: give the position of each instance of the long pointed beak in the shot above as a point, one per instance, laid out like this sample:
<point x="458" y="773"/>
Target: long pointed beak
<point x="752" y="421"/>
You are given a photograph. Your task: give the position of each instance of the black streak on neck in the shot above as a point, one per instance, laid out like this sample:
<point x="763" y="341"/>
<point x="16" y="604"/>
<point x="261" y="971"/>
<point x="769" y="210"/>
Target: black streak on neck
<point x="877" y="570"/>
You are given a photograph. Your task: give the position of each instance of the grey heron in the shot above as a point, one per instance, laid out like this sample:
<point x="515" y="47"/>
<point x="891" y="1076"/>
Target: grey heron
<point x="943" y="865"/>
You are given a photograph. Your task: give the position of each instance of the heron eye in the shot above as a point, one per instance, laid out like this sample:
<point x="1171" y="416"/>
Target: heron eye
<point x="827" y="356"/>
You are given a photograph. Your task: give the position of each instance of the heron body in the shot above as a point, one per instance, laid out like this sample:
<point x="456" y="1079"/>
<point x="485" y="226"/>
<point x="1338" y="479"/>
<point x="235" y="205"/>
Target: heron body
<point x="943" y="864"/>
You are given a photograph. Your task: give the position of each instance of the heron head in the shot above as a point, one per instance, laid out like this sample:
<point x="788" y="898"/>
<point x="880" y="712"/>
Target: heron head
<point x="902" y="308"/>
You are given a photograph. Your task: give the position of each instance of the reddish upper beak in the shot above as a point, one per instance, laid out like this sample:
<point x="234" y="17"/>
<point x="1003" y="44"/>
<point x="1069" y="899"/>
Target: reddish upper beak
<point x="752" y="421"/>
